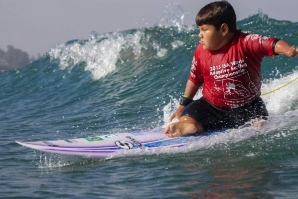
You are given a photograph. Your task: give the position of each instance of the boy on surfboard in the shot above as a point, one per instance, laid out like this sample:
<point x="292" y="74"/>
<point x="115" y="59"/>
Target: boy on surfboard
<point x="227" y="64"/>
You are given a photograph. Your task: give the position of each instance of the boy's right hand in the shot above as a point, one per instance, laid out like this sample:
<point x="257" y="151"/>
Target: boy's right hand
<point x="177" y="113"/>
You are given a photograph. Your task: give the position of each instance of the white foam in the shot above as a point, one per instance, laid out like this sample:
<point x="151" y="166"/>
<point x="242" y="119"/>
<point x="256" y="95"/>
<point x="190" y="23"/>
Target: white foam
<point x="176" y="44"/>
<point x="50" y="161"/>
<point x="100" y="53"/>
<point x="284" y="98"/>
<point x="161" y="52"/>
<point x="174" y="17"/>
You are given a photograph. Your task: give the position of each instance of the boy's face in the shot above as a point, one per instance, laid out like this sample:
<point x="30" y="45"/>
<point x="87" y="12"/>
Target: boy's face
<point x="210" y="38"/>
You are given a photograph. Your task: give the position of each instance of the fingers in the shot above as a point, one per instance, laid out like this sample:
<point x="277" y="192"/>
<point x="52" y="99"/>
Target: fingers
<point x="167" y="131"/>
<point x="172" y="130"/>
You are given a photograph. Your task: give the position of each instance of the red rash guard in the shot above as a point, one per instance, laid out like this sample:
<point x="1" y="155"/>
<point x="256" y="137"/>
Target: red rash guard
<point x="231" y="76"/>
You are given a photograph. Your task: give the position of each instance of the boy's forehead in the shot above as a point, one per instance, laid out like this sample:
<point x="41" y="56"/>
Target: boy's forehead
<point x="206" y="26"/>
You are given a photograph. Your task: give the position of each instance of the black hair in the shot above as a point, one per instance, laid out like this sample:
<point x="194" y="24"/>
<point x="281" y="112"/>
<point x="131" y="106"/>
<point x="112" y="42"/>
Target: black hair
<point x="216" y="14"/>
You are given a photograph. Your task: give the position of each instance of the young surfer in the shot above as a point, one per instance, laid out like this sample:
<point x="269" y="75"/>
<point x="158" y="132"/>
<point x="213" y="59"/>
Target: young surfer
<point x="227" y="64"/>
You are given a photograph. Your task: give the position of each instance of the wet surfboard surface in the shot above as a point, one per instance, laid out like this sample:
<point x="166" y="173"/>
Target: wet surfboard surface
<point x="103" y="146"/>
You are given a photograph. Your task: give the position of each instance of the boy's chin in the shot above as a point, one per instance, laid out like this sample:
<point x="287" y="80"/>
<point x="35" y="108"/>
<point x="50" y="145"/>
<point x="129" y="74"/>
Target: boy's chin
<point x="206" y="48"/>
<point x="209" y="48"/>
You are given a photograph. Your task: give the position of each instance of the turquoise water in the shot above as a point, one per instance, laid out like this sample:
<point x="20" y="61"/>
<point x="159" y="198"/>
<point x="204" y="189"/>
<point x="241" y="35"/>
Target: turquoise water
<point x="131" y="80"/>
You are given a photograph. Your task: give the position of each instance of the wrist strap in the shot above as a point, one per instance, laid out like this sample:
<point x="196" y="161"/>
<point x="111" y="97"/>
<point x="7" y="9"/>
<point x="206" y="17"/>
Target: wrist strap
<point x="186" y="96"/>
<point x="185" y="100"/>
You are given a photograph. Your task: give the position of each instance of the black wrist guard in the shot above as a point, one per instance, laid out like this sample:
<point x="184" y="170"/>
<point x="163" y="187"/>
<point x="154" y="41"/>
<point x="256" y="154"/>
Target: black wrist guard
<point x="185" y="101"/>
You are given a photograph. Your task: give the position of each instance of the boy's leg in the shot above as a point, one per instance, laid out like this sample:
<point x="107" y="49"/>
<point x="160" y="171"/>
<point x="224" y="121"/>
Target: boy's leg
<point x="259" y="122"/>
<point x="256" y="113"/>
<point x="197" y="117"/>
<point x="185" y="126"/>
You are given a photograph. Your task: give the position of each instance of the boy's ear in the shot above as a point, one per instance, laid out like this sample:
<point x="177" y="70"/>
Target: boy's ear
<point x="224" y="28"/>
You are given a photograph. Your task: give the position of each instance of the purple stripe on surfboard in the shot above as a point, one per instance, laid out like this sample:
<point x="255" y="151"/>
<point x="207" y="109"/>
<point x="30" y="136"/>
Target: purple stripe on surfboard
<point x="88" y="151"/>
<point x="87" y="154"/>
<point x="97" y="153"/>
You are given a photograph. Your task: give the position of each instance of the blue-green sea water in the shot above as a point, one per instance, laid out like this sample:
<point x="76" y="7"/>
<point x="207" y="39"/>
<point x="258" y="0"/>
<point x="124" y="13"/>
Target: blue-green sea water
<point x="131" y="80"/>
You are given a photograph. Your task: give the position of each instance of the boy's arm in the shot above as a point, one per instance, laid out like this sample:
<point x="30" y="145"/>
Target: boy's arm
<point x="190" y="91"/>
<point x="282" y="47"/>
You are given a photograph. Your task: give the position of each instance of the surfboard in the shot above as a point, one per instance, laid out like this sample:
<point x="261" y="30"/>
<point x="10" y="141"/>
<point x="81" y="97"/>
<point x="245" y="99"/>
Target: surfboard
<point x="113" y="144"/>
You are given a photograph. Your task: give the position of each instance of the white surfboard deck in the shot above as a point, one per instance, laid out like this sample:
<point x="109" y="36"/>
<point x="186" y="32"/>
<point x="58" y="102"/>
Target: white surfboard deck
<point x="104" y="146"/>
